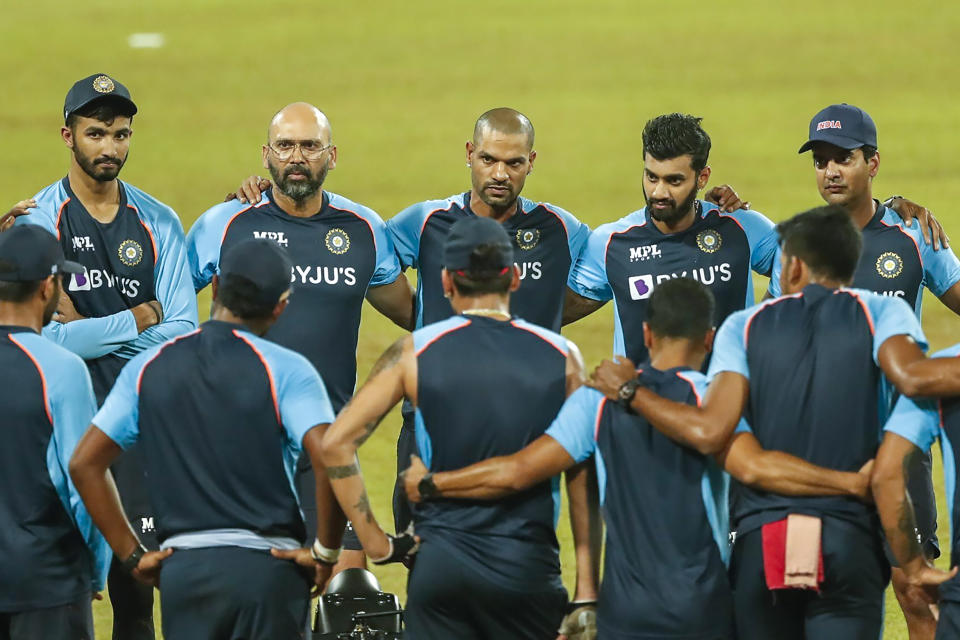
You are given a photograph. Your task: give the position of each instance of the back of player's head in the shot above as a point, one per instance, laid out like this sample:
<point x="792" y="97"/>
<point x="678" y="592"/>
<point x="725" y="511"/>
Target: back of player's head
<point x="674" y="135"/>
<point x="680" y="308"/>
<point x="825" y="239"/>
<point x="254" y="275"/>
<point x="504" y="120"/>
<point x="479" y="257"/>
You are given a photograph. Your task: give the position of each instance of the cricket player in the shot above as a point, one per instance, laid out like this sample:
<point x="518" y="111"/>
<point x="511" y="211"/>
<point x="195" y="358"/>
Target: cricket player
<point x="482" y="383"/>
<point x="222" y="415"/>
<point x="133" y="293"/>
<point x="52" y="559"/>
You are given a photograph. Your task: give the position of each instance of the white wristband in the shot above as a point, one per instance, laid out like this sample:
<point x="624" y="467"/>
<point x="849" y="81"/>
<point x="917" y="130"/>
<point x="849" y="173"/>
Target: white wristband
<point x="322" y="554"/>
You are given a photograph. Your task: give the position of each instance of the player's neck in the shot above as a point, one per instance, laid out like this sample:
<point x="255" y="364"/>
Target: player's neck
<point x="483" y="209"/>
<point x="494" y="305"/>
<point x="100" y="199"/>
<point x="862" y="210"/>
<point x="17" y="314"/>
<point x="256" y="327"/>
<point x="668" y="353"/>
<point x="306" y="209"/>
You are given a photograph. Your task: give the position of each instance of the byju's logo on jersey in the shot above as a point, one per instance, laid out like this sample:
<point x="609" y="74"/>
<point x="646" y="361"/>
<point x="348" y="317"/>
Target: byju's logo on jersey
<point x="96" y="278"/>
<point x="640" y="287"/>
<point x="79" y="281"/>
<point x="528" y="238"/>
<point x="889" y="265"/>
<point x="709" y="241"/>
<point x="82" y="243"/>
<point x="645" y="252"/>
<point x="276" y="236"/>
<point x="130" y="252"/>
<point x="337" y="241"/>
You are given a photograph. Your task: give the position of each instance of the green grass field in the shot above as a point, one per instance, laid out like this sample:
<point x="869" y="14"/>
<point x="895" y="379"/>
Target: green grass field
<point x="403" y="82"/>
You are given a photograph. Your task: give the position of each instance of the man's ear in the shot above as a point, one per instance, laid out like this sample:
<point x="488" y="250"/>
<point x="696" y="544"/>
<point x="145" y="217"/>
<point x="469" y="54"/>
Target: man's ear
<point x="703" y="178"/>
<point x="708" y="339"/>
<point x="214" y="286"/>
<point x="515" y="279"/>
<point x="447" y="282"/>
<point x="647" y="336"/>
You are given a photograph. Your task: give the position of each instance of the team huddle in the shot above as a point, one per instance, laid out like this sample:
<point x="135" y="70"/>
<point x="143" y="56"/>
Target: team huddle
<point x="762" y="470"/>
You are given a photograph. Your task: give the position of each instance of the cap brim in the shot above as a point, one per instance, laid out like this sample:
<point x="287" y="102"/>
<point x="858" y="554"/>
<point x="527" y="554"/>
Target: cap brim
<point x="70" y="267"/>
<point x="837" y="141"/>
<point x="114" y="96"/>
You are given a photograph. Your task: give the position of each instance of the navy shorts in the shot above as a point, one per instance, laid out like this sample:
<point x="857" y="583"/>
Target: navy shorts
<point x="849" y="605"/>
<point x="73" y="621"/>
<point x="948" y="628"/>
<point x="232" y="593"/>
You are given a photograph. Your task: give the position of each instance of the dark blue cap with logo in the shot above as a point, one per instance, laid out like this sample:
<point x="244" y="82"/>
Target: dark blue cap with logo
<point x="95" y="87"/>
<point x="261" y="262"/>
<point x="844" y="126"/>
<point x="468" y="234"/>
<point x="29" y="253"/>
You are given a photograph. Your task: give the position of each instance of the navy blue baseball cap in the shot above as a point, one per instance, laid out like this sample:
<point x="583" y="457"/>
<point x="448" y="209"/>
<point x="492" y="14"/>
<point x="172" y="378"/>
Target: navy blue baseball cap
<point x="261" y="262"/>
<point x="29" y="253"/>
<point x="844" y="126"/>
<point x="95" y="87"/>
<point x="469" y="233"/>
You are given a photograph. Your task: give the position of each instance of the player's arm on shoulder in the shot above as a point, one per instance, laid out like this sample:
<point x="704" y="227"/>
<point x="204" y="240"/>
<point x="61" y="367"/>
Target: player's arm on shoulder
<point x="575" y="372"/>
<point x="933" y="232"/>
<point x="913" y="373"/>
<point x="576" y="306"/>
<point x="745" y="459"/>
<point x="395" y="301"/>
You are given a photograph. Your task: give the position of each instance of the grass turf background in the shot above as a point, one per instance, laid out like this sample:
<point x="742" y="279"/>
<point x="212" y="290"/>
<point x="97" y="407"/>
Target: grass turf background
<point x="403" y="82"/>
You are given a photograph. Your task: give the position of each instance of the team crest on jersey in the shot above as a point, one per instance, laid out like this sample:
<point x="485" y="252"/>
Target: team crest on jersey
<point x="528" y="238"/>
<point x="130" y="252"/>
<point x="709" y="241"/>
<point x="338" y="242"/>
<point x="103" y="84"/>
<point x="889" y="265"/>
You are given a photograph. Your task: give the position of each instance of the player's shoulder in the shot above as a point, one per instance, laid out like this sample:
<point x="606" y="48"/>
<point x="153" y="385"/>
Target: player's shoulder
<point x="743" y="217"/>
<point x="343" y="203"/>
<point x="633" y="220"/>
<point x="149" y="207"/>
<point x="949" y="352"/>
<point x="426" y="335"/>
<point x="420" y="210"/>
<point x="277" y="357"/>
<point x="52" y="358"/>
<point x="219" y="215"/>
<point x="49" y="201"/>
<point x="559" y="342"/>
<point x="567" y="218"/>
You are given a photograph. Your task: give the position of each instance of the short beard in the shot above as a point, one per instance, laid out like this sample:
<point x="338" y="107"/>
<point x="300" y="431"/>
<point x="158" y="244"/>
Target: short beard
<point x="675" y="213"/>
<point x="301" y="190"/>
<point x="94" y="168"/>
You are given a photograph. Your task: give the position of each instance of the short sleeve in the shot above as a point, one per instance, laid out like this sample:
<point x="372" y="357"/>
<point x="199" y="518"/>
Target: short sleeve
<point x="575" y="425"/>
<point x="941" y="269"/>
<point x="730" y="346"/>
<point x="119" y="416"/>
<point x="774" y="288"/>
<point x="404" y="231"/>
<point x="762" y="237"/>
<point x="892" y="317"/>
<point x="301" y="397"/>
<point x="204" y="239"/>
<point x="915" y="420"/>
<point x="588" y="277"/>
<point x="388" y="265"/>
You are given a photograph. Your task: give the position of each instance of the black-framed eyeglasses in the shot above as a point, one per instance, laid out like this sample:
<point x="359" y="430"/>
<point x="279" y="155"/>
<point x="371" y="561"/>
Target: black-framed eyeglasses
<point x="309" y="149"/>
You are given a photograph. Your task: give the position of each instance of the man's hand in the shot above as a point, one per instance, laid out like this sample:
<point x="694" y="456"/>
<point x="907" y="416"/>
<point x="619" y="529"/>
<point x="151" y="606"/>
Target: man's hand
<point x="923" y="582"/>
<point x="930" y="227"/>
<point x="610" y="376"/>
<point x="148" y="569"/>
<point x="147" y="314"/>
<point x="401" y="548"/>
<point x="250" y="190"/>
<point x="19" y="209"/>
<point x="864" y="492"/>
<point x="726" y="198"/>
<point x="580" y="623"/>
<point x="319" y="572"/>
<point x="412" y="476"/>
<point x="66" y="312"/>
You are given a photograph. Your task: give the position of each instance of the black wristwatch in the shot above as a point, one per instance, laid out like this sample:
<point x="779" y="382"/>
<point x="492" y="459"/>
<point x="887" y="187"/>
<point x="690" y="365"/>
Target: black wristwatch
<point x="627" y="390"/>
<point x="426" y="487"/>
<point x="133" y="559"/>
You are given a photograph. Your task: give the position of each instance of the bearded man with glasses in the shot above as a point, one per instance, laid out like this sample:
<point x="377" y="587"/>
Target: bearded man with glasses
<point x="341" y="254"/>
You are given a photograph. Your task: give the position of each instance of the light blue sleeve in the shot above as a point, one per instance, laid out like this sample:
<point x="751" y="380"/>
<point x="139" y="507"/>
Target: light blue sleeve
<point x="575" y="425"/>
<point x="588" y="277"/>
<point x="301" y="396"/>
<point x="204" y="240"/>
<point x="72" y="405"/>
<point x="761" y="236"/>
<point x="388" y="264"/>
<point x="774" y="288"/>
<point x="173" y="287"/>
<point x="915" y="420"/>
<point x="404" y="230"/>
<point x="577" y="232"/>
<point x="730" y="346"/>
<point x="91" y="338"/>
<point x="119" y="417"/>
<point x="941" y="269"/>
<point x="891" y="317"/>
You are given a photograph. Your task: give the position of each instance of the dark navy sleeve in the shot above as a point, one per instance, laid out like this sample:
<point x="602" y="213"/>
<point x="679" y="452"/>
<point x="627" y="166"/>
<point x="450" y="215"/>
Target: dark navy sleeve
<point x="915" y="420"/>
<point x="119" y="416"/>
<point x="890" y="317"/>
<point x="71" y="403"/>
<point x="204" y="240"/>
<point x="575" y="426"/>
<point x="404" y="230"/>
<point x="302" y="398"/>
<point x="588" y="277"/>
<point x="730" y="345"/>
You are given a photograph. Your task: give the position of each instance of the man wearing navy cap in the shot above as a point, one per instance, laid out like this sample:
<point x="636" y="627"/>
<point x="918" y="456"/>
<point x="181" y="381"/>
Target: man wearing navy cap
<point x="52" y="558"/>
<point x="896" y="262"/>
<point x="221" y="452"/>
<point x="482" y="383"/>
<point x="134" y="291"/>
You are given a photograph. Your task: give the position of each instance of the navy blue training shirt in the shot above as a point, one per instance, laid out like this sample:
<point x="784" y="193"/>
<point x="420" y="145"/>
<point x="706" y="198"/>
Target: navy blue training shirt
<point x="488" y="388"/>
<point x="546" y="242"/>
<point x="51" y="554"/>
<point x="625" y="260"/>
<point x="921" y="422"/>
<point x="337" y="255"/>
<point x="665" y="507"/>
<point x="816" y="388"/>
<point x="221" y="414"/>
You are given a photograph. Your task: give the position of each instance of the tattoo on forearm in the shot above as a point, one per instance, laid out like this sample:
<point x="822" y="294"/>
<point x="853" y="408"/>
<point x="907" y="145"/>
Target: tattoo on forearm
<point x="389" y="358"/>
<point x="345" y="471"/>
<point x="363" y="506"/>
<point x="368" y="430"/>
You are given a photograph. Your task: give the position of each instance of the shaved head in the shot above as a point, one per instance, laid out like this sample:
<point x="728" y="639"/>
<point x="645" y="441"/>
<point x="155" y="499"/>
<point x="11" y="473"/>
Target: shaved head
<point x="503" y="120"/>
<point x="301" y="119"/>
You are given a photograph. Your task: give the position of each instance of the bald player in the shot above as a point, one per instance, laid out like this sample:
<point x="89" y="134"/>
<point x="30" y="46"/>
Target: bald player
<point x="341" y="254"/>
